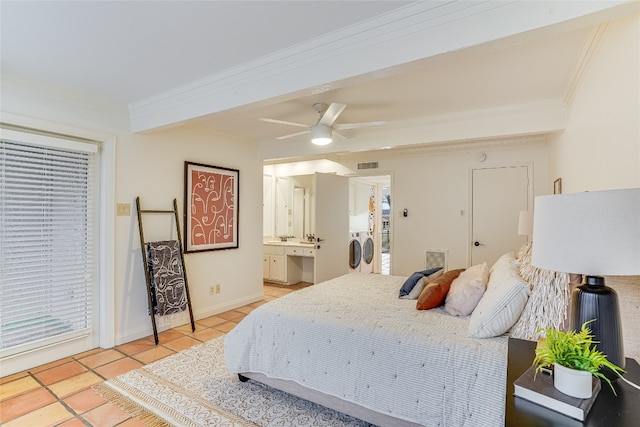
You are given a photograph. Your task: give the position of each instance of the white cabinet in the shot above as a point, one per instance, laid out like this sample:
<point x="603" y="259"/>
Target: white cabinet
<point x="274" y="263"/>
<point x="300" y="251"/>
<point x="287" y="264"/>
<point x="277" y="270"/>
<point x="293" y="251"/>
<point x="266" y="266"/>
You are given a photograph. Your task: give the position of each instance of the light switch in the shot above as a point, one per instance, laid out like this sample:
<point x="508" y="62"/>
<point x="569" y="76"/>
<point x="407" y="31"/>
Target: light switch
<point x="123" y="209"/>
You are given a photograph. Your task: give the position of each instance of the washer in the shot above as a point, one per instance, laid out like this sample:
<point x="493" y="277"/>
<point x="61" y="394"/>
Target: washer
<point x="368" y="251"/>
<point x="355" y="252"/>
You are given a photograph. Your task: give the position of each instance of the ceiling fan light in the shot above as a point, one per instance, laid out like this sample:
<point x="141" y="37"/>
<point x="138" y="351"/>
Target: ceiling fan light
<point x="321" y="135"/>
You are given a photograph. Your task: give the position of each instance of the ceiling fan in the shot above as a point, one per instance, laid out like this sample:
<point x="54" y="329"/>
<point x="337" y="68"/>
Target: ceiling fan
<point x="323" y="131"/>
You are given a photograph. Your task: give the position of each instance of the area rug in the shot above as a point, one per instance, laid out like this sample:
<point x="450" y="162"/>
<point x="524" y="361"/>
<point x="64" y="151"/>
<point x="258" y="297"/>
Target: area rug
<point x="193" y="388"/>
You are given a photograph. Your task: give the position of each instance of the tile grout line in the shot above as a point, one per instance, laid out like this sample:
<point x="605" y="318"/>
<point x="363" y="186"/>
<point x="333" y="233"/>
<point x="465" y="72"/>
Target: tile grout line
<point x="58" y="399"/>
<point x="74" y="358"/>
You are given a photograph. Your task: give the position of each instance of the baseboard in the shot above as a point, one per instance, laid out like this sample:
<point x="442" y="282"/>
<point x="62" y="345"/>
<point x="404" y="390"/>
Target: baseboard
<point x="137" y="334"/>
<point x="229" y="305"/>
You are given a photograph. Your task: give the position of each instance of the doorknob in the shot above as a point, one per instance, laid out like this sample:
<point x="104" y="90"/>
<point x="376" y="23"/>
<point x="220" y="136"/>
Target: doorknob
<point x="476" y="243"/>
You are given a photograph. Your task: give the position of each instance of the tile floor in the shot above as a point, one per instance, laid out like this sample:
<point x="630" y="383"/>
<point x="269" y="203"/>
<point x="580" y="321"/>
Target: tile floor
<point x="60" y="393"/>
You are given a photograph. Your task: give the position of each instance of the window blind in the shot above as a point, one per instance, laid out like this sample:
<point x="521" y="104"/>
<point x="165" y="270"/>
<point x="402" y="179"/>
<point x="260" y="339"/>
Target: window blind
<point x="46" y="242"/>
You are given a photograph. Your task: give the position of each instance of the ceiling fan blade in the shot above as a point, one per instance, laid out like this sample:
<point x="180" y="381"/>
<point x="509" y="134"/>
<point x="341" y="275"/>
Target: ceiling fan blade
<point x="331" y="114"/>
<point x="282" y="122"/>
<point x="339" y="135"/>
<point x="345" y="126"/>
<point x="291" y="135"/>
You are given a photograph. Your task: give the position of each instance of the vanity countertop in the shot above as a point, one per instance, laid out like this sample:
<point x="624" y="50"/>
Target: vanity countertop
<point x="302" y="244"/>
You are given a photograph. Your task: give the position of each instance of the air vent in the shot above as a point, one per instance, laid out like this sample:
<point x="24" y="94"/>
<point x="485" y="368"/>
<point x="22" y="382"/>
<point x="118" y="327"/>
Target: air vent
<point x="436" y="258"/>
<point x="368" y="165"/>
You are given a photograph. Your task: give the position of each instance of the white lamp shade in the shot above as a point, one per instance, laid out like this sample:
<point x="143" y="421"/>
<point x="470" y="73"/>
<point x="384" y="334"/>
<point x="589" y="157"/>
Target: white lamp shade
<point x="525" y="223"/>
<point x="321" y="134"/>
<point x="593" y="233"/>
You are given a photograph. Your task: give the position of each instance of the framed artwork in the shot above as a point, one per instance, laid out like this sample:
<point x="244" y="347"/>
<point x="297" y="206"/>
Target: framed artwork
<point x="557" y="186"/>
<point x="211" y="207"/>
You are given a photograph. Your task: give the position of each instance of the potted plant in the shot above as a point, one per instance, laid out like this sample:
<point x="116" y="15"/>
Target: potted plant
<point x="575" y="360"/>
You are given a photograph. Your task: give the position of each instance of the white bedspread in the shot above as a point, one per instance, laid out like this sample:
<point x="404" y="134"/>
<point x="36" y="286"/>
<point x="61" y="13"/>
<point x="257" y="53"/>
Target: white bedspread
<point x="352" y="337"/>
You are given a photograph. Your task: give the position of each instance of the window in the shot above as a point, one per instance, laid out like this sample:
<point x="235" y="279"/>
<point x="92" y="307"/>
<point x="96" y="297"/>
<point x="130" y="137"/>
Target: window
<point x="48" y="291"/>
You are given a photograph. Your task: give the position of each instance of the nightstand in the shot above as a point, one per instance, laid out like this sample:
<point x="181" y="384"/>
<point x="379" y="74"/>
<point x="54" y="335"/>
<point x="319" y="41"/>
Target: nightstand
<point x="608" y="410"/>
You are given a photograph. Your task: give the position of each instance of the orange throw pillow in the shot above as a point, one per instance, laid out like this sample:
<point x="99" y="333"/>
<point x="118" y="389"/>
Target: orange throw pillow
<point x="434" y="293"/>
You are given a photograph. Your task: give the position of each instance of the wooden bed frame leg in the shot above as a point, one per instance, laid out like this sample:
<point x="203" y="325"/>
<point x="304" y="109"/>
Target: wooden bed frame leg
<point x="242" y="378"/>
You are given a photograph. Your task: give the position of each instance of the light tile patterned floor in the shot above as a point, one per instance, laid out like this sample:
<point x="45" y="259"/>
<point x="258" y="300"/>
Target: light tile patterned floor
<point x="59" y="393"/>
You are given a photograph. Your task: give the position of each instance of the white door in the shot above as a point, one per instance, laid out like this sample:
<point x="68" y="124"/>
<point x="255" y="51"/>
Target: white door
<point x="498" y="196"/>
<point x="331" y="226"/>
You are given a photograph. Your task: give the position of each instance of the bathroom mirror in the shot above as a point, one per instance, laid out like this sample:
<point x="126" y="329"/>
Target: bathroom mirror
<point x="291" y="211"/>
<point x="283" y="207"/>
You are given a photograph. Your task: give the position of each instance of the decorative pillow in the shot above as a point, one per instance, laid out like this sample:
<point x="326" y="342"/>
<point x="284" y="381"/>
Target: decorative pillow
<point x="502" y="304"/>
<point x="467" y="290"/>
<point x="417" y="289"/>
<point x="549" y="290"/>
<point x="435" y="292"/>
<point x="409" y="284"/>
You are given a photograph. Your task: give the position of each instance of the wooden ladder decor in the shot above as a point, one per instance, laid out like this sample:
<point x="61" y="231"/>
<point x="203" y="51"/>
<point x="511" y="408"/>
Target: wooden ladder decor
<point x="145" y="261"/>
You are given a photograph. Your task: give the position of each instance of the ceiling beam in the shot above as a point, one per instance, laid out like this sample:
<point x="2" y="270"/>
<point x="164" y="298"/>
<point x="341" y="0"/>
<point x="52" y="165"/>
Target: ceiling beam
<point x="365" y="51"/>
<point x="537" y="118"/>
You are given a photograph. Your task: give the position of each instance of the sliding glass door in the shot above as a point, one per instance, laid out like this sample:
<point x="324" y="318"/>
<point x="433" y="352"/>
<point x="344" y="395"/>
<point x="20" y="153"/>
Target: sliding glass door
<point x="48" y="239"/>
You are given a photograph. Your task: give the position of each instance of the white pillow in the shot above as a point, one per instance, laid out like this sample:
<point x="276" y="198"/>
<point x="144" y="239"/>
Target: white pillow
<point x="502" y="304"/>
<point x="417" y="289"/>
<point x="466" y="290"/>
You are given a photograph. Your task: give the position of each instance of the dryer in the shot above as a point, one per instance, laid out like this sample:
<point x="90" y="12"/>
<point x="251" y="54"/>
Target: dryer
<point x="355" y="252"/>
<point x="368" y="252"/>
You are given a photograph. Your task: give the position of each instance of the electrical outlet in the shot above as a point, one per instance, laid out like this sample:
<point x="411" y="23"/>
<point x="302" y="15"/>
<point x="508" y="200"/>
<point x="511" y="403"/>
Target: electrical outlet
<point x="218" y="288"/>
<point x="123" y="209"/>
<point x="212" y="290"/>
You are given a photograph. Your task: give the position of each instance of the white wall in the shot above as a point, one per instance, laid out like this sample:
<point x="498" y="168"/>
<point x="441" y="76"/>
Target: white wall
<point x="434" y="188"/>
<point x="600" y="148"/>
<point x="152" y="167"/>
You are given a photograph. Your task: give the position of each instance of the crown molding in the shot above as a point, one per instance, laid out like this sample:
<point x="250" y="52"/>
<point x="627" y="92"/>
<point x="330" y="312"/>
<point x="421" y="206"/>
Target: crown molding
<point x="448" y="147"/>
<point x="361" y="52"/>
<point x="43" y="99"/>
<point x="592" y="42"/>
<point x="332" y="157"/>
<point x="423" y="149"/>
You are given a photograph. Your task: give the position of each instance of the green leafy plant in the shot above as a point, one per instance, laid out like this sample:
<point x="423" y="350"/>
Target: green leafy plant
<point x="573" y="350"/>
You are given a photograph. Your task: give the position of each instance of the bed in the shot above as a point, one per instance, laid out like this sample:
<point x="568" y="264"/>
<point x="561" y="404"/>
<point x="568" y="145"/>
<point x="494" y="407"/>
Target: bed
<point x="352" y="345"/>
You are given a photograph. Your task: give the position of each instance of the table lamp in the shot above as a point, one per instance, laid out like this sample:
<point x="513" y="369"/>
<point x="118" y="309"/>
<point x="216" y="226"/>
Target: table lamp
<point x="525" y="224"/>
<point x="594" y="234"/>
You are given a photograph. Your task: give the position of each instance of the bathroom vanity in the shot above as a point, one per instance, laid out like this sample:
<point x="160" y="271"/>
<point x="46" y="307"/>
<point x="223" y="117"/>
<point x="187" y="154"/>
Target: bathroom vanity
<point x="305" y="205"/>
<point x="288" y="262"/>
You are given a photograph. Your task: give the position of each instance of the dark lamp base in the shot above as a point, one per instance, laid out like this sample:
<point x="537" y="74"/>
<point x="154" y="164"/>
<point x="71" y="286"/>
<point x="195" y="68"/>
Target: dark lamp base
<point x="595" y="300"/>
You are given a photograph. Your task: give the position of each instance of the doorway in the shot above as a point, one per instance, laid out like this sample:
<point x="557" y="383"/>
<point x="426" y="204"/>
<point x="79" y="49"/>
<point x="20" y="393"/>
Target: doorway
<point x="385" y="240"/>
<point x="370" y="215"/>
<point x="498" y="195"/>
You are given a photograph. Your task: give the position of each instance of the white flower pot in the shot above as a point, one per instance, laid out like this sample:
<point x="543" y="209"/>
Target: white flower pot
<point x="572" y="382"/>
